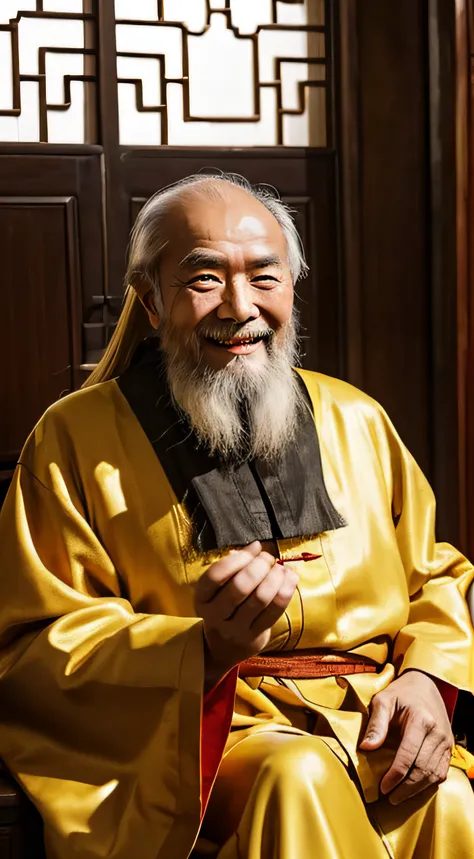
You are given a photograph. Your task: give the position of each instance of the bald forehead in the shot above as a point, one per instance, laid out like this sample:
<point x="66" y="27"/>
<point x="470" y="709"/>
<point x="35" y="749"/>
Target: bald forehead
<point x="217" y="212"/>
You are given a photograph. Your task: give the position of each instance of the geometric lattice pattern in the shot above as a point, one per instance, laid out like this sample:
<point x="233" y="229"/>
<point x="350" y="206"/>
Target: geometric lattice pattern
<point x="48" y="74"/>
<point x="189" y="72"/>
<point x="234" y="72"/>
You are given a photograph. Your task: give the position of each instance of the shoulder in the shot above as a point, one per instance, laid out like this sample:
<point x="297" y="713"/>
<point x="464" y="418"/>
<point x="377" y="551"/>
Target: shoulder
<point x="86" y="405"/>
<point x="346" y="416"/>
<point x="339" y="395"/>
<point x="343" y="411"/>
<point x="84" y="398"/>
<point x="73" y="420"/>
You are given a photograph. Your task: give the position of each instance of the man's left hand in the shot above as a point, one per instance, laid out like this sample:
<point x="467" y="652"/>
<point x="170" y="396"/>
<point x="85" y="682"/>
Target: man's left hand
<point x="413" y="707"/>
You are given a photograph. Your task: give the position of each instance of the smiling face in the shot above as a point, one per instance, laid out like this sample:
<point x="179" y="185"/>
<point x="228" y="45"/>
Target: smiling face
<point x="224" y="276"/>
<point x="226" y="326"/>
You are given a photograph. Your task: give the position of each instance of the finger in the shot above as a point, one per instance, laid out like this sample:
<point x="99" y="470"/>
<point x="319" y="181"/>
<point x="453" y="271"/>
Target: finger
<point x="242" y="585"/>
<point x="379" y="722"/>
<point x="424" y="770"/>
<point x="420" y="778"/>
<point x="277" y="607"/>
<point x="261" y="597"/>
<point x="412" y="740"/>
<point x="221" y="571"/>
<point x="433" y="749"/>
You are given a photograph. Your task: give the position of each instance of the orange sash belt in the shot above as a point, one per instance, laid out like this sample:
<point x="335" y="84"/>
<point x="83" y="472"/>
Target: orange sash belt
<point x="306" y="664"/>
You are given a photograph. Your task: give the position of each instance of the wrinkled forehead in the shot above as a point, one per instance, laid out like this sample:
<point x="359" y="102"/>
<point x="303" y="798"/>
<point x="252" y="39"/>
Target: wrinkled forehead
<point x="233" y="223"/>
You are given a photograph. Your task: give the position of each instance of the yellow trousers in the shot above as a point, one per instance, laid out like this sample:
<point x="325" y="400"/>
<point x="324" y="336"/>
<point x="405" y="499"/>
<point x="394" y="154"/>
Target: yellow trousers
<point x="283" y="796"/>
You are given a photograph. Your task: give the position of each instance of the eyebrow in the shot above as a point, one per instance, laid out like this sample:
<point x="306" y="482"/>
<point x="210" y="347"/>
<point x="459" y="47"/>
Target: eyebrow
<point x="203" y="258"/>
<point x="265" y="262"/>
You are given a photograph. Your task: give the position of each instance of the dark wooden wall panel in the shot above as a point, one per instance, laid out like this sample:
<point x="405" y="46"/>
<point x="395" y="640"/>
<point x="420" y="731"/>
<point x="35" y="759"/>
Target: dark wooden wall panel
<point x="444" y="298"/>
<point x="52" y="267"/>
<point x="397" y="158"/>
<point x="395" y="251"/>
<point x="74" y="171"/>
<point x="38" y="286"/>
<point x="465" y="247"/>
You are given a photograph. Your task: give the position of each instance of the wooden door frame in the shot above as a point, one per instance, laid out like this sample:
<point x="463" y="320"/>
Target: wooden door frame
<point x="362" y="140"/>
<point x="464" y="225"/>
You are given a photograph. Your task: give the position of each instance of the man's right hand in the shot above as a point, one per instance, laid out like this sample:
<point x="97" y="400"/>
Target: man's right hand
<point x="240" y="598"/>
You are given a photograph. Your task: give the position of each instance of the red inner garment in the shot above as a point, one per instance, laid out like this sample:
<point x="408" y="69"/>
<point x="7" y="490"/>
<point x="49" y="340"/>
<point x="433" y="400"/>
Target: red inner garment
<point x="217" y="709"/>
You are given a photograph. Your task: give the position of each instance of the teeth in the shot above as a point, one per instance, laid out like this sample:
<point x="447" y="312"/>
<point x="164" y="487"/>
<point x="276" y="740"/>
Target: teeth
<point x="244" y="343"/>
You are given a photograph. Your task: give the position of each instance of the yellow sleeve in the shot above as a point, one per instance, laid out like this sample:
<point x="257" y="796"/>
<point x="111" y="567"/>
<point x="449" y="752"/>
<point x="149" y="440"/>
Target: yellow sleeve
<point x="438" y="636"/>
<point x="100" y="707"/>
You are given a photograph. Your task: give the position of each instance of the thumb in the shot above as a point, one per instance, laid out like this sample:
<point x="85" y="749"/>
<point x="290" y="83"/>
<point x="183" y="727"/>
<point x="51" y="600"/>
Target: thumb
<point x="378" y="725"/>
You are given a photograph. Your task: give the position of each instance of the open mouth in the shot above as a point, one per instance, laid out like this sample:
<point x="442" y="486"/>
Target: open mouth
<point x="239" y="343"/>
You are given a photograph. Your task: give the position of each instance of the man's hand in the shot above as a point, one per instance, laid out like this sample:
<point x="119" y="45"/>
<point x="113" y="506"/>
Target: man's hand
<point x="412" y="707"/>
<point x="240" y="598"/>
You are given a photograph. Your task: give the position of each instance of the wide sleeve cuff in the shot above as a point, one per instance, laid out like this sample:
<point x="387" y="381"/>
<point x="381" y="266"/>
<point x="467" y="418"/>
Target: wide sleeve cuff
<point x="445" y="674"/>
<point x="452" y="669"/>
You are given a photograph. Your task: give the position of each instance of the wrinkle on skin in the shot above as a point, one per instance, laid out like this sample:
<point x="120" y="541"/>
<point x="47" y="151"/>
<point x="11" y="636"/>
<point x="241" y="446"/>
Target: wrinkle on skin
<point x="232" y="241"/>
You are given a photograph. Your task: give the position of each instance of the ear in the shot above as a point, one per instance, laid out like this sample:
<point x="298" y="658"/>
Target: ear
<point x="148" y="302"/>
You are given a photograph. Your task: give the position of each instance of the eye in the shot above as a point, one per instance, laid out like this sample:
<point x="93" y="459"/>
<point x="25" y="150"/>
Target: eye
<point x="203" y="278"/>
<point x="265" y="278"/>
<point x="203" y="282"/>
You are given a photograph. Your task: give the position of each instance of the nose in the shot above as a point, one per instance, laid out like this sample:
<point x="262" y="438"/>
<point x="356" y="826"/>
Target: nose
<point x="237" y="302"/>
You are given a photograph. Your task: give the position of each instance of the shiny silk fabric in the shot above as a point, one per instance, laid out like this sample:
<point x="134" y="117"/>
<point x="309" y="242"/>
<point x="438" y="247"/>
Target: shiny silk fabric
<point x="101" y="659"/>
<point x="302" y="805"/>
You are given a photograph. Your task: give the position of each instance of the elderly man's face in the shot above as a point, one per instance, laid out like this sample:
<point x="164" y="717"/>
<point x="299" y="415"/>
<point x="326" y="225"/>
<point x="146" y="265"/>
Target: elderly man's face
<point x="224" y="276"/>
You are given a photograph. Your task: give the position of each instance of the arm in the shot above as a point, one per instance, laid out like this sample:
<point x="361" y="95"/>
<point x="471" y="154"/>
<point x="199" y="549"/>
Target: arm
<point x="433" y="650"/>
<point x="101" y="708"/>
<point x="438" y="636"/>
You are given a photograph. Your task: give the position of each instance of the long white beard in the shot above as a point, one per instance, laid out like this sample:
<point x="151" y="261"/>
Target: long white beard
<point x="245" y="409"/>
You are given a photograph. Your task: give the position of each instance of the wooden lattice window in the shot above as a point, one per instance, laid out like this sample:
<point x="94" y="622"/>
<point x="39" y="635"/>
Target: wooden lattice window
<point x="48" y="71"/>
<point x="222" y="72"/>
<point x="189" y="72"/>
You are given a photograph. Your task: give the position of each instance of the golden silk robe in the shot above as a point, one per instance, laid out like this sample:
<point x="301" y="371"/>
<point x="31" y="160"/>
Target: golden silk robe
<point x="101" y="655"/>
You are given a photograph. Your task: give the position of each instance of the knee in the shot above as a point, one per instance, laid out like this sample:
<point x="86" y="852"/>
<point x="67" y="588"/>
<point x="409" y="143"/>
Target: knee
<point x="454" y="805"/>
<point x="456" y="790"/>
<point x="302" y="760"/>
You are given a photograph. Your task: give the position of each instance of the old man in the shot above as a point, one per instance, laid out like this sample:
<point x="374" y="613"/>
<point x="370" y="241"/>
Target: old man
<point x="225" y="626"/>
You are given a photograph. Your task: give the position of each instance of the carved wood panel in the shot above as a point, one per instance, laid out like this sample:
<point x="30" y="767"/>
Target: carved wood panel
<point x="40" y="330"/>
<point x="66" y="171"/>
<point x="52" y="266"/>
